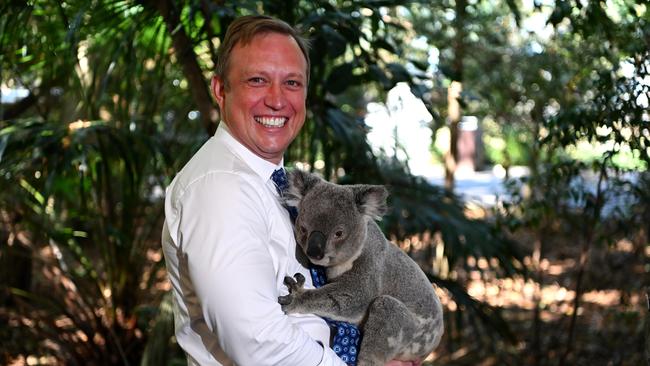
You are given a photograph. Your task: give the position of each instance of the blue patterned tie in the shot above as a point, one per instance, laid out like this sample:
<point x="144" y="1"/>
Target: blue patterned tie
<point x="347" y="337"/>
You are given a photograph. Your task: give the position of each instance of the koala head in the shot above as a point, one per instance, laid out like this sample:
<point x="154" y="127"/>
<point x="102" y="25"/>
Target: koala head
<point x="332" y="219"/>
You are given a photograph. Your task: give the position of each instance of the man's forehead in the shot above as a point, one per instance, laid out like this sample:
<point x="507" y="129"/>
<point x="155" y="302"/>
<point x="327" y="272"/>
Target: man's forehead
<point x="251" y="64"/>
<point x="260" y="36"/>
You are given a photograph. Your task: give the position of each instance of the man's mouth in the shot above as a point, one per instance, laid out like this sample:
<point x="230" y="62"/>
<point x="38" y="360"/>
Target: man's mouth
<point x="271" y="121"/>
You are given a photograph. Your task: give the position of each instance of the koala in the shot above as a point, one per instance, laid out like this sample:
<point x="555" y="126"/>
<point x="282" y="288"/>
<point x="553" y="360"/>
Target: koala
<point x="371" y="282"/>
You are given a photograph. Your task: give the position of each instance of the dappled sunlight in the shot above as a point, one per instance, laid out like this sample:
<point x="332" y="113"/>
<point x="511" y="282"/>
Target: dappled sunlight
<point x="625" y="245"/>
<point x="460" y="353"/>
<point x="153" y="256"/>
<point x="78" y="124"/>
<point x="519" y="297"/>
<point x="414" y="242"/>
<point x="32" y="360"/>
<point x="522" y="293"/>
<point x="63" y="302"/>
<point x="445" y="298"/>
<point x="607" y="297"/>
<point x="555" y="300"/>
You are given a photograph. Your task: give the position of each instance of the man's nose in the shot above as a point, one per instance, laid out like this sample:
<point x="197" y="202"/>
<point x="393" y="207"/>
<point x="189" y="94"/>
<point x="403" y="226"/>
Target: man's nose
<point x="275" y="97"/>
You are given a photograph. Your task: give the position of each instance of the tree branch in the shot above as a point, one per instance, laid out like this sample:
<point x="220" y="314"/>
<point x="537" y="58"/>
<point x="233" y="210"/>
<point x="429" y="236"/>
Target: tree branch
<point x="187" y="57"/>
<point x="16" y="109"/>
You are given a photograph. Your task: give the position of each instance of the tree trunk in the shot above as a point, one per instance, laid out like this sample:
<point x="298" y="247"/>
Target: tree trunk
<point x="188" y="59"/>
<point x="454" y="111"/>
<point x="454" y="116"/>
<point x="589" y="233"/>
<point x="537" y="258"/>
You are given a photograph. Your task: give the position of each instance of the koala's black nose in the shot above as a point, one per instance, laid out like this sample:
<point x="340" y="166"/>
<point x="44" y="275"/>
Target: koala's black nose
<point x="316" y="245"/>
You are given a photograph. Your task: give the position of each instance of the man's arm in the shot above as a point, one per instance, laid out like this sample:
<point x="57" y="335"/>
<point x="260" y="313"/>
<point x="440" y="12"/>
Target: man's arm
<point x="225" y="239"/>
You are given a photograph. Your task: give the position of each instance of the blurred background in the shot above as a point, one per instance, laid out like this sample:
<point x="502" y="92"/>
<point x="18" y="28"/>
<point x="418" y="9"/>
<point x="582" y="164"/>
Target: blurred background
<point x="513" y="136"/>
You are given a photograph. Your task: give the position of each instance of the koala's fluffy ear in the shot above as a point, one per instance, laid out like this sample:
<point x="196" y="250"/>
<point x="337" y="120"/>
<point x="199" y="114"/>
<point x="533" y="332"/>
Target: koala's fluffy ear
<point x="299" y="184"/>
<point x="370" y="200"/>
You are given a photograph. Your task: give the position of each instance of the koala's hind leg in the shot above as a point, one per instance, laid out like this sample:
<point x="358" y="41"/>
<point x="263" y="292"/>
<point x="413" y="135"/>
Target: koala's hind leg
<point x="388" y="333"/>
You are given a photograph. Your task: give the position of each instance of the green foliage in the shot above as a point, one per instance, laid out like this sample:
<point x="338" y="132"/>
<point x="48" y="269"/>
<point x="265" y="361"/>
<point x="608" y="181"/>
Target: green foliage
<point x="81" y="202"/>
<point x="90" y="205"/>
<point x="508" y="148"/>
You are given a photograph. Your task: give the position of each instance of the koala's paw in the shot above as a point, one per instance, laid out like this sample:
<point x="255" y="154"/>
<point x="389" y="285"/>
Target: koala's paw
<point x="285" y="300"/>
<point x="295" y="285"/>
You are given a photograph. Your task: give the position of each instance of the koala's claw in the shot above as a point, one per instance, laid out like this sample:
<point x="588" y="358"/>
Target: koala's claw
<point x="296" y="284"/>
<point x="290" y="282"/>
<point x="300" y="279"/>
<point x="285" y="300"/>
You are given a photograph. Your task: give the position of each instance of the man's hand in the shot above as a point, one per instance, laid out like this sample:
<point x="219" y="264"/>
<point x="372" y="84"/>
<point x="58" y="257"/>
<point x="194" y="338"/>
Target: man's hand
<point x="404" y="363"/>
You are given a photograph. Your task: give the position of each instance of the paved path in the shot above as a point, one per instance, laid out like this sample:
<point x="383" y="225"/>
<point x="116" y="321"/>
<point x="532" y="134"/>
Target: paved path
<point x="486" y="188"/>
<point x="483" y="187"/>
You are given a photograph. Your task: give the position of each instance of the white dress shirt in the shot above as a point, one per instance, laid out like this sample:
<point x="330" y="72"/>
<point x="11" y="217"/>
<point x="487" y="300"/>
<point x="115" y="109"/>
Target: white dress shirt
<point x="228" y="244"/>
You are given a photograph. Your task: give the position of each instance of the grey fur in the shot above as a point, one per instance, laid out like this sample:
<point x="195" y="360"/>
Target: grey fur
<point x="372" y="283"/>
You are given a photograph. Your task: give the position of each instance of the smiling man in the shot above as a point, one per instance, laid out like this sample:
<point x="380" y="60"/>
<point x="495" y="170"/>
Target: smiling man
<point x="228" y="241"/>
<point x="262" y="100"/>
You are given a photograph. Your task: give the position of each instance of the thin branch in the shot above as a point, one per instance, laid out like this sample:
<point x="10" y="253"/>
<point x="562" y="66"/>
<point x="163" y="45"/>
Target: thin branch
<point x="189" y="61"/>
<point x="584" y="254"/>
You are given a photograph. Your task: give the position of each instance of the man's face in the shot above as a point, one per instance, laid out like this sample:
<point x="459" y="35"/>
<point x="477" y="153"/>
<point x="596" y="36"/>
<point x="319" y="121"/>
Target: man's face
<point x="264" y="101"/>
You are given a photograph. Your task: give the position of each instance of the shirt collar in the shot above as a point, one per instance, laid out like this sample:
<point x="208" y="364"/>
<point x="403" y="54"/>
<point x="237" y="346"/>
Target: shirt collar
<point x="261" y="167"/>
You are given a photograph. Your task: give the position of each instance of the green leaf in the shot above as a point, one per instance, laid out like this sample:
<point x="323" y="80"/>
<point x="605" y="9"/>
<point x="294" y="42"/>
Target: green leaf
<point x="398" y="73"/>
<point x="336" y="43"/>
<point x="340" y="78"/>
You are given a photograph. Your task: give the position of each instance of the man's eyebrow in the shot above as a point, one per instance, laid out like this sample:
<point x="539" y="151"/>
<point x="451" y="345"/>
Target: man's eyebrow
<point x="296" y="75"/>
<point x="249" y="72"/>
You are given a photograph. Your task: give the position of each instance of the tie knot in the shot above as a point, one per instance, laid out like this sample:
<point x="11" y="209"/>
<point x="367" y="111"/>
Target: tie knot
<point x="279" y="177"/>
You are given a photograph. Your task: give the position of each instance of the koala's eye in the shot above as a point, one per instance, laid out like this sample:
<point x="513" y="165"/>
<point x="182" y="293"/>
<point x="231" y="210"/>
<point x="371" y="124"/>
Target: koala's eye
<point x="338" y="234"/>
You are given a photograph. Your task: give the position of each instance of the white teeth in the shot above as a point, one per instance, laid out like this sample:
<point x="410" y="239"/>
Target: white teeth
<point x="271" y="121"/>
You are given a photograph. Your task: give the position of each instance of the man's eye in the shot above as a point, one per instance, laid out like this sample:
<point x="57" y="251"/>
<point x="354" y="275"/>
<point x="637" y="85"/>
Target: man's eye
<point x="256" y="80"/>
<point x="294" y="83"/>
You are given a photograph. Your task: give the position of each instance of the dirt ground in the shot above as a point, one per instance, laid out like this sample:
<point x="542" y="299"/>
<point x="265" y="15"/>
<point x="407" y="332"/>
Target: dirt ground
<point x="612" y="319"/>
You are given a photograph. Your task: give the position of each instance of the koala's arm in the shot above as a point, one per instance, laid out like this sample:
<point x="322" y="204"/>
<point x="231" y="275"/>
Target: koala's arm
<point x="337" y="300"/>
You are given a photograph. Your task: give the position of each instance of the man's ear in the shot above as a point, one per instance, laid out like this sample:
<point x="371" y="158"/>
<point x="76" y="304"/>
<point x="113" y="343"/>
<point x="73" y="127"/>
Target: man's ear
<point x="218" y="88"/>
<point x="370" y="200"/>
<point x="299" y="184"/>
